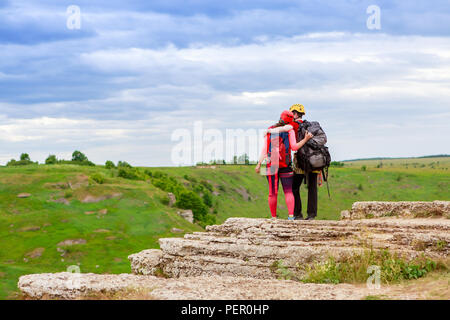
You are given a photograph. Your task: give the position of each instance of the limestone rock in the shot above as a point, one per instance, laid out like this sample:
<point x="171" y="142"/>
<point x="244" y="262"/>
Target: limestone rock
<point x="61" y="200"/>
<point x="95" y="199"/>
<point x="251" y="247"/>
<point x="145" y="262"/>
<point x="24" y="195"/>
<point x="78" y="182"/>
<point x="71" y="242"/>
<point x="187" y="215"/>
<point x="31" y="228"/>
<point x="172" y="199"/>
<point x="405" y="209"/>
<point x="67" y="285"/>
<point x="36" y="253"/>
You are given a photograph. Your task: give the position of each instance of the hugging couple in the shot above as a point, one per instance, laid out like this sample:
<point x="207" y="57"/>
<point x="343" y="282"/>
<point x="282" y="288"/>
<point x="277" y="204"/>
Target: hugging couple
<point x="281" y="139"/>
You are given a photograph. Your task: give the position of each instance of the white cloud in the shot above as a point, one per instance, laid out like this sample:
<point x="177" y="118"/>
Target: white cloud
<point x="370" y="92"/>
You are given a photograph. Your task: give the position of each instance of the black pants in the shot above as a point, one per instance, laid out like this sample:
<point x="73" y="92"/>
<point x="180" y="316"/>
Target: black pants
<point x="312" y="194"/>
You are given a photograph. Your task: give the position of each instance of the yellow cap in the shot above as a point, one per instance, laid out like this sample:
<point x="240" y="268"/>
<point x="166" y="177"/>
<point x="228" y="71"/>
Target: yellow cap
<point x="297" y="107"/>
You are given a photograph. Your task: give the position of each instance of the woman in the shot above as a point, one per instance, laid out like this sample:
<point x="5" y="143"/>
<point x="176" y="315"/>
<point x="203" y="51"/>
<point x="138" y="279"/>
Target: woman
<point x="277" y="150"/>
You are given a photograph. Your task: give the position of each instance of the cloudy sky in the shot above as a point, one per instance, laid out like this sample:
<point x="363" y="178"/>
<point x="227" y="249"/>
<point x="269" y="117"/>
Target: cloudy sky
<point x="134" y="72"/>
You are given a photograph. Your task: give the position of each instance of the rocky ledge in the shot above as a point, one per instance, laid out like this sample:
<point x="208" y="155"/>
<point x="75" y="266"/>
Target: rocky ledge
<point x="253" y="247"/>
<point x="404" y="209"/>
<point x="127" y="286"/>
<point x="241" y="258"/>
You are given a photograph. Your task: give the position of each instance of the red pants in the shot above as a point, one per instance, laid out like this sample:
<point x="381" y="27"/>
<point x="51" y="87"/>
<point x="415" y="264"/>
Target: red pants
<point x="287" y="177"/>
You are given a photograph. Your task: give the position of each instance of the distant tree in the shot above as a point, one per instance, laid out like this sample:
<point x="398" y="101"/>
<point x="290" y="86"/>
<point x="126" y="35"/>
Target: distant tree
<point x="51" y="159"/>
<point x="123" y="164"/>
<point x="77" y="156"/>
<point x="25" y="157"/>
<point x="235" y="160"/>
<point x="109" y="165"/>
<point x="243" y="159"/>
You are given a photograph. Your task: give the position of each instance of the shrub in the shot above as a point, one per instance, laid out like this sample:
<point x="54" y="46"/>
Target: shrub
<point x="25" y="157"/>
<point x="109" y="165"/>
<point x="190" y="200"/>
<point x="207" y="185"/>
<point x="13" y="163"/>
<point x="149" y="173"/>
<point x="131" y="174"/>
<point x="337" y="164"/>
<point x="353" y="269"/>
<point x="123" y="164"/>
<point x="190" y="178"/>
<point x="77" y="156"/>
<point x="207" y="199"/>
<point x="363" y="168"/>
<point x="68" y="194"/>
<point x="51" y="159"/>
<point x="97" y="177"/>
<point x="79" y="163"/>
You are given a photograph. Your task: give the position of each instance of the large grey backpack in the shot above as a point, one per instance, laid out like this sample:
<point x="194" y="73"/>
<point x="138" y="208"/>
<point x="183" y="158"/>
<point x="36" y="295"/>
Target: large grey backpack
<point x="314" y="155"/>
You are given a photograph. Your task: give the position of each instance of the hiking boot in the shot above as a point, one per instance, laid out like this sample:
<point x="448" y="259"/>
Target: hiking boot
<point x="310" y="218"/>
<point x="291" y="218"/>
<point x="298" y="218"/>
<point x="273" y="218"/>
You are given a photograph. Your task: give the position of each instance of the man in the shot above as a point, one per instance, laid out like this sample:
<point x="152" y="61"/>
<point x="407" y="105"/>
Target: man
<point x="299" y="175"/>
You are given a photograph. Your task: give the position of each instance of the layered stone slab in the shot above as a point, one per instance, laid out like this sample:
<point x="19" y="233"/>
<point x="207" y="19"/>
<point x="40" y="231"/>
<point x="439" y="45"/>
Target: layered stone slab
<point x="407" y="209"/>
<point x="253" y="247"/>
<point x="127" y="286"/>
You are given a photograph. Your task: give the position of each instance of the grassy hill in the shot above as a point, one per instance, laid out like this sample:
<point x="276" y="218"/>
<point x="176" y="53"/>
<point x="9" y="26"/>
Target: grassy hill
<point x="113" y="219"/>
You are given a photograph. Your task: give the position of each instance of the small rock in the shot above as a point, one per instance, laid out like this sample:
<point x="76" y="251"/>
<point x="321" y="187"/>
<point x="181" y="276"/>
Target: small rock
<point x="94" y="199"/>
<point x="176" y="230"/>
<point x="61" y="200"/>
<point x="71" y="242"/>
<point x="345" y="214"/>
<point x="23" y="195"/>
<point x="172" y="199"/>
<point x="103" y="211"/>
<point x="187" y="215"/>
<point x="89" y="212"/>
<point x="36" y="253"/>
<point x="32" y="228"/>
<point x="102" y="230"/>
<point x="25" y="259"/>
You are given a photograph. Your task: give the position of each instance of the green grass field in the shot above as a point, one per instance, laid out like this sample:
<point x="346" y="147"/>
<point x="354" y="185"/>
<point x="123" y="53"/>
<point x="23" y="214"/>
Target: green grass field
<point x="137" y="218"/>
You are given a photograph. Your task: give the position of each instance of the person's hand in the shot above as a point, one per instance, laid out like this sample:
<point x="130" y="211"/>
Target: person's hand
<point x="308" y="135"/>
<point x="258" y="168"/>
